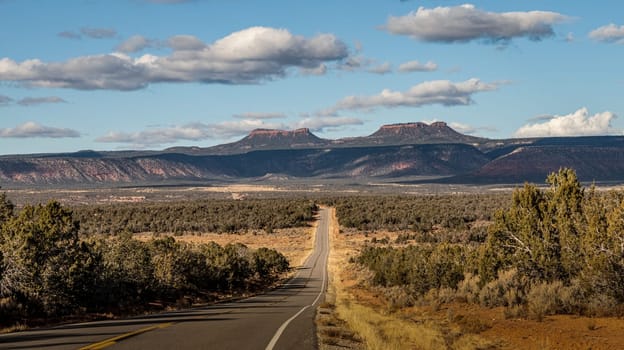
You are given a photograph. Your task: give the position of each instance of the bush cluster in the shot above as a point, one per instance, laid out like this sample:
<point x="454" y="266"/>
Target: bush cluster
<point x="47" y="270"/>
<point x="416" y="213"/>
<point x="553" y="250"/>
<point x="223" y="216"/>
<point x="419" y="268"/>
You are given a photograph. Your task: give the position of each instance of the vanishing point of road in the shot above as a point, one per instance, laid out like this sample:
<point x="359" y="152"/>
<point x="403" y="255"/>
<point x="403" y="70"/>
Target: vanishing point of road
<point x="280" y="319"/>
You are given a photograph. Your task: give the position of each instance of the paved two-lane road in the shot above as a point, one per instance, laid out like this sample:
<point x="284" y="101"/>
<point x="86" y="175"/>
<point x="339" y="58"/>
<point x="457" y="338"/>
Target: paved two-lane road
<point x="280" y="319"/>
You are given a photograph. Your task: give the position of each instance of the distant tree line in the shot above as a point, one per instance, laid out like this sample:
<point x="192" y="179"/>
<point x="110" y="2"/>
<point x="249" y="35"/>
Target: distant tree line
<point x="47" y="270"/>
<point x="553" y="250"/>
<point x="420" y="213"/>
<point x="222" y="216"/>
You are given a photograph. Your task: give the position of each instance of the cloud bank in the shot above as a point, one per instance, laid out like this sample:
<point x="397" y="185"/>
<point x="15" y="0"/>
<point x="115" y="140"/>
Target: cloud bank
<point x="93" y="33"/>
<point x="135" y="43"/>
<point x="415" y="66"/>
<point x="248" y="56"/>
<point x="467" y="23"/>
<point x="441" y="92"/>
<point x="30" y="101"/>
<point x="155" y="137"/>
<point x="608" y="34"/>
<point x="35" y="130"/>
<point x="579" y="123"/>
<point x="33" y="101"/>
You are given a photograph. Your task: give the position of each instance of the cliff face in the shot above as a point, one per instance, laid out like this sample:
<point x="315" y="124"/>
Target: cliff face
<point x="533" y="163"/>
<point x="391" y="161"/>
<point x="88" y="170"/>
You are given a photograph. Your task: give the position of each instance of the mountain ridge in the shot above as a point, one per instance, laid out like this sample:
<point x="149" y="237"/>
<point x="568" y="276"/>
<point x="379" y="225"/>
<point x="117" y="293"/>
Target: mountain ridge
<point x="386" y="135"/>
<point x="393" y="151"/>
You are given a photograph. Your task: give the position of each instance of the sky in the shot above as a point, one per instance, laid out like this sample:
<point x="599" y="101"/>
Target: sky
<point x="153" y="74"/>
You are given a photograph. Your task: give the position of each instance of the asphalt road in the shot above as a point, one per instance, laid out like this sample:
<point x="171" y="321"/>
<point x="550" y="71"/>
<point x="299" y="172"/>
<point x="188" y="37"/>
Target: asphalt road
<point x="280" y="319"/>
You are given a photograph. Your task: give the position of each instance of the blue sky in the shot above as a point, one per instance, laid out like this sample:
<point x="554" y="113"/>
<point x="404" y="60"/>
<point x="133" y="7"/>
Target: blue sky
<point x="130" y="74"/>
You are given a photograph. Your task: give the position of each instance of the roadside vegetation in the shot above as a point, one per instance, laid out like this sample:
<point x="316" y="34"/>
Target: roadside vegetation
<point x="554" y="250"/>
<point x="420" y="214"/>
<point x="52" y="268"/>
<point x="457" y="274"/>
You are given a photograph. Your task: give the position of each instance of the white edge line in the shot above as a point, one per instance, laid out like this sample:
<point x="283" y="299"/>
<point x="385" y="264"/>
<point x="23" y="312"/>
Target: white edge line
<point x="280" y="330"/>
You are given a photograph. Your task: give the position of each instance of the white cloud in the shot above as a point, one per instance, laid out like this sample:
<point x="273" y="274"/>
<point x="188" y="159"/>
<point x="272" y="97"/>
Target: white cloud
<point x="383" y="68"/>
<point x="442" y="92"/>
<point x="153" y="137"/>
<point x="415" y="66"/>
<point x="463" y="128"/>
<point x="135" y="43"/>
<point x="353" y="63"/>
<point x="466" y="23"/>
<point x="360" y="62"/>
<point x="229" y="129"/>
<point x="579" y="123"/>
<point x="249" y="56"/>
<point x="259" y="115"/>
<point x="35" y="130"/>
<point x="158" y="136"/>
<point x="609" y="34"/>
<point x="569" y="37"/>
<point x="32" y="101"/>
<point x="185" y="43"/>
<point x="320" y="70"/>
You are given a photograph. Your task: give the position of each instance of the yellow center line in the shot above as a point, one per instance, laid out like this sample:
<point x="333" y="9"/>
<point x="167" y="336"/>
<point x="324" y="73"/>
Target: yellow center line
<point x="111" y="341"/>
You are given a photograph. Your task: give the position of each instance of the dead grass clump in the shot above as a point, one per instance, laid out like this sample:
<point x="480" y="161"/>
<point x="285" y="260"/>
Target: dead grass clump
<point x="468" y="289"/>
<point x="545" y="299"/>
<point x="397" y="298"/>
<point x="437" y="297"/>
<point x="515" y="311"/>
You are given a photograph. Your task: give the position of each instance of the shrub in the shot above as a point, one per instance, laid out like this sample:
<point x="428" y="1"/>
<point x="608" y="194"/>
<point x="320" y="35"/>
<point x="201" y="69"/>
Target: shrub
<point x="545" y="299"/>
<point x="508" y="289"/>
<point x="602" y="305"/>
<point x="468" y="289"/>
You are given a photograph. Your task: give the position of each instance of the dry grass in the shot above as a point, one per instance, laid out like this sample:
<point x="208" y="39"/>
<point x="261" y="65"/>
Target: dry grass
<point x="376" y="329"/>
